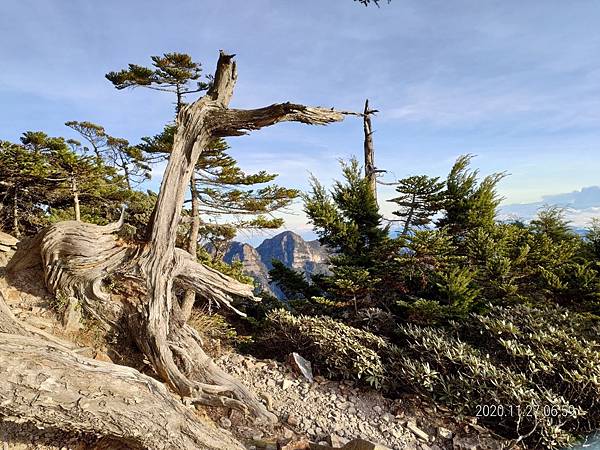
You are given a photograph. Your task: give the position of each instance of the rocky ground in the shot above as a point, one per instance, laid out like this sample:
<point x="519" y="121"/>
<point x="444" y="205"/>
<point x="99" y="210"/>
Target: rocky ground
<point x="332" y="413"/>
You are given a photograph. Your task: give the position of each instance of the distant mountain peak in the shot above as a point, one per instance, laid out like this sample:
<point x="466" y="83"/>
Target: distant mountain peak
<point x="288" y="247"/>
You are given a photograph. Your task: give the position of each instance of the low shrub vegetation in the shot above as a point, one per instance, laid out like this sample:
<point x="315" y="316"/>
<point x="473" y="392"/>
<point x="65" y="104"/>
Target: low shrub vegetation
<point x="534" y="381"/>
<point x="497" y="320"/>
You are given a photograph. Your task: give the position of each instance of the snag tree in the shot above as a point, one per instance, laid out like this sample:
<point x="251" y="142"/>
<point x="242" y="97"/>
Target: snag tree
<point x="223" y="198"/>
<point x="81" y="260"/>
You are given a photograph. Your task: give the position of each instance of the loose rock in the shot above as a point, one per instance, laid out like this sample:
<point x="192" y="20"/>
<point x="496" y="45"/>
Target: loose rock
<point x="301" y="366"/>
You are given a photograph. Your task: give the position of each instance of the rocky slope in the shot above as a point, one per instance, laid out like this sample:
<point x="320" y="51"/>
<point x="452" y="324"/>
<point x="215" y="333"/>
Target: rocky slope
<point x="333" y="414"/>
<point x="288" y="247"/>
<point x="253" y="265"/>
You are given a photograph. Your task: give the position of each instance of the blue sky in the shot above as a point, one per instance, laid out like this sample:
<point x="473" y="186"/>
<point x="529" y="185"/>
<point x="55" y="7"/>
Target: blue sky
<point x="516" y="83"/>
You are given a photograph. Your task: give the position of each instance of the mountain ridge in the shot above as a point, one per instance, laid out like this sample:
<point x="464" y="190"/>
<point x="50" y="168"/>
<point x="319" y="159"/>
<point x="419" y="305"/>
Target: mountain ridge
<point x="308" y="257"/>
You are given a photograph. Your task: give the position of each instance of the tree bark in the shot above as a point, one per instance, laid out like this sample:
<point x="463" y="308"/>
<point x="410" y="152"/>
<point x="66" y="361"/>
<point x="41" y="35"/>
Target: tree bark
<point x="370" y="171"/>
<point x="189" y="298"/>
<point x="80" y="260"/>
<point x="15" y="211"/>
<point x="75" y="192"/>
<point x="47" y="382"/>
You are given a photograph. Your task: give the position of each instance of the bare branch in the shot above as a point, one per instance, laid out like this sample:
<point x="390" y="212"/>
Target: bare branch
<point x="211" y="283"/>
<point x="236" y="122"/>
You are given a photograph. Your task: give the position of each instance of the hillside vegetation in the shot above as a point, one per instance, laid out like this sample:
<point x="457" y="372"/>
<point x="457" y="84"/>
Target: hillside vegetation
<point x="497" y="320"/>
<point x="492" y="319"/>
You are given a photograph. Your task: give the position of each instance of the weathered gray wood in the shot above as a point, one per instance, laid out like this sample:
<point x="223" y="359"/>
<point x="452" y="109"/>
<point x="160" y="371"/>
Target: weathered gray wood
<point x="79" y="259"/>
<point x="369" y="150"/>
<point x="75" y="193"/>
<point x="44" y="381"/>
<point x="189" y="297"/>
<point x="197" y="125"/>
<point x="50" y="387"/>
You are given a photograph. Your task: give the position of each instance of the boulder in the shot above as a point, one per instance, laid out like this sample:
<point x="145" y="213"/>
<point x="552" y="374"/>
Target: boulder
<point x="301" y="366"/>
<point x="8" y="241"/>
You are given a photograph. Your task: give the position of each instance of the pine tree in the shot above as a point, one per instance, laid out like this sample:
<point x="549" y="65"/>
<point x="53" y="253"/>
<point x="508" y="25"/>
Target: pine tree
<point x="551" y="221"/>
<point x="23" y="185"/>
<point x="349" y="223"/>
<point x="468" y="203"/>
<point x="421" y="198"/>
<point x="94" y="134"/>
<point x="592" y="238"/>
<point x="85" y="180"/>
<point x="172" y="72"/>
<point x="47" y="177"/>
<point x="115" y="152"/>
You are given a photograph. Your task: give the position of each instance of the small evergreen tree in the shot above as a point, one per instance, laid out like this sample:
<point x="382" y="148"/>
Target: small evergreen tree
<point x="172" y="72"/>
<point x="421" y="198"/>
<point x="46" y="178"/>
<point x="469" y="204"/>
<point x="551" y="221"/>
<point x="83" y="182"/>
<point x="115" y="152"/>
<point x="349" y="223"/>
<point x="23" y="186"/>
<point x="592" y="238"/>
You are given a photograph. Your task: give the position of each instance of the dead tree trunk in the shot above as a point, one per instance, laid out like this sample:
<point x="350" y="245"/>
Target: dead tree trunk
<point x="370" y="170"/>
<point x="75" y="191"/>
<point x="80" y="259"/>
<point x="189" y="298"/>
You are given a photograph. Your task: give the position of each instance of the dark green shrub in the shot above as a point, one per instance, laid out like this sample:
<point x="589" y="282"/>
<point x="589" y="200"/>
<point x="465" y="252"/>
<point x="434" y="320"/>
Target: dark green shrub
<point x="335" y="349"/>
<point x="535" y="365"/>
